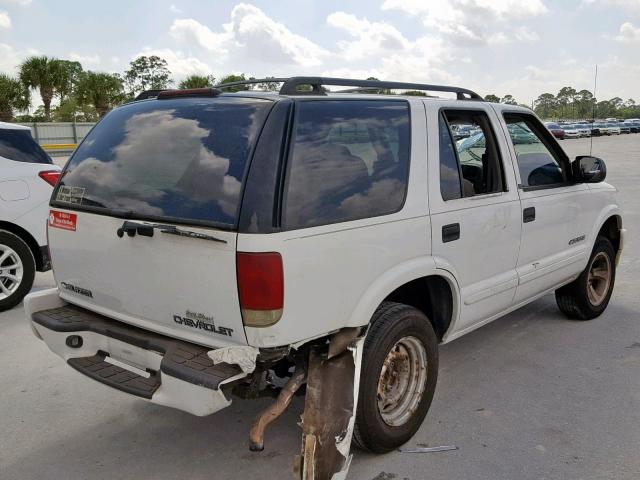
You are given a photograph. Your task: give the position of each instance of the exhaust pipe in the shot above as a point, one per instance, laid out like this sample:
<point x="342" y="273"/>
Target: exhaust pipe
<point x="273" y="411"/>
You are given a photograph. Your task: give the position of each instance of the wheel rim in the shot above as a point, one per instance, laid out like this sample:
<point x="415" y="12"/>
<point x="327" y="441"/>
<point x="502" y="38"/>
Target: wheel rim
<point x="599" y="279"/>
<point x="11" y="271"/>
<point x="402" y="382"/>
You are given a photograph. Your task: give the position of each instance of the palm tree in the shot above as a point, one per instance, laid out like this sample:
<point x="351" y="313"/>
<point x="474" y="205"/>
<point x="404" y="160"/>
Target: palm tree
<point x="45" y="74"/>
<point x="197" y="81"/>
<point x="13" y="96"/>
<point x="102" y="90"/>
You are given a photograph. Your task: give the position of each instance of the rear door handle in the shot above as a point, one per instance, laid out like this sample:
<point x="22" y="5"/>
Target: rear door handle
<point x="450" y="232"/>
<point x="528" y="214"/>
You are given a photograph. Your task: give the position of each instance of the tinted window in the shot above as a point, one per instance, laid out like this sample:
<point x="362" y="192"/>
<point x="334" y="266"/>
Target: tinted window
<point x="538" y="163"/>
<point x="449" y="173"/>
<point x="182" y="158"/>
<point x="478" y="155"/>
<point x="20" y="146"/>
<point x="350" y="160"/>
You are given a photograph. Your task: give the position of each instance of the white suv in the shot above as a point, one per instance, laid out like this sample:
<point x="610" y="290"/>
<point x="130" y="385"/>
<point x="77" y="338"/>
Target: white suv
<point x="209" y="244"/>
<point x="27" y="177"/>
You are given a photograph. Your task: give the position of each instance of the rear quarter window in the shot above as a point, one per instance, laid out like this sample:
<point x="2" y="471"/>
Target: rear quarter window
<point x="349" y="160"/>
<point x="19" y="145"/>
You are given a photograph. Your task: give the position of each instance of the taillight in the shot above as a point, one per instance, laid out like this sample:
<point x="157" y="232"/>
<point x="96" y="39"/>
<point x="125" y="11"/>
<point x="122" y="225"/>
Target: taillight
<point x="260" y="287"/>
<point x="50" y="176"/>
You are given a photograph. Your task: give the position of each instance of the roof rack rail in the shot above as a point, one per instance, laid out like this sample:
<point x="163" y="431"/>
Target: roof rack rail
<point x="290" y="87"/>
<point x="251" y="81"/>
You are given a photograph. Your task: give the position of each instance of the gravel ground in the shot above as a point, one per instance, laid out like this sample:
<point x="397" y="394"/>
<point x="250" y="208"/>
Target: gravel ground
<point x="530" y="396"/>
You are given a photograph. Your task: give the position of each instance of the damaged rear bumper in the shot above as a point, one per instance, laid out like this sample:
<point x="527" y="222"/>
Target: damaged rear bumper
<point x="154" y="367"/>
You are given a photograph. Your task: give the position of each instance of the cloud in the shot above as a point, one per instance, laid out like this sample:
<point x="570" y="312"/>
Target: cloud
<point x="85" y="59"/>
<point x="21" y="3"/>
<point x="469" y="22"/>
<point x="174" y="9"/>
<point x="251" y="35"/>
<point x="370" y="38"/>
<point x="178" y="63"/>
<point x="9" y="59"/>
<point x="5" y="20"/>
<point x="633" y="5"/>
<point x="628" y="33"/>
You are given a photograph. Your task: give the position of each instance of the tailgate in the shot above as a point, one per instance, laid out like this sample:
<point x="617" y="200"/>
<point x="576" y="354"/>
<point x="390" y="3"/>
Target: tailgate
<point x="178" y="286"/>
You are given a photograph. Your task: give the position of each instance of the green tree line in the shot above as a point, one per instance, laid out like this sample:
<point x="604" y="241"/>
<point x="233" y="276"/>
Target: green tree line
<point x="570" y="103"/>
<point x="68" y="93"/>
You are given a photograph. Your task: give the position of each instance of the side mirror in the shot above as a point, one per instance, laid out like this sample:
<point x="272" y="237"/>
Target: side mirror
<point x="587" y="169"/>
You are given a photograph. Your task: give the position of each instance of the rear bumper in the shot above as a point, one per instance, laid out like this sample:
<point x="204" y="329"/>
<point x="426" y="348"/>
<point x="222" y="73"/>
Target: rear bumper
<point x="154" y="367"/>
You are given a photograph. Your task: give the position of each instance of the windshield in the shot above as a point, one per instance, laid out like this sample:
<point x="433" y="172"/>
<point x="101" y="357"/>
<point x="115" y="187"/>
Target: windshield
<point x="182" y="159"/>
<point x="20" y="146"/>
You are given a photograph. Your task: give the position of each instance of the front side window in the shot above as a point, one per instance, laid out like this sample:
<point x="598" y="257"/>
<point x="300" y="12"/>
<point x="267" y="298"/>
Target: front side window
<point x="477" y="156"/>
<point x="349" y="160"/>
<point x="19" y="145"/>
<point x="538" y="162"/>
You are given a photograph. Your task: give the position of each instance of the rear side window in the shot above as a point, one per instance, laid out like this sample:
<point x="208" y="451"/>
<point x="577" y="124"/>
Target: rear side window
<point x="349" y="160"/>
<point x="19" y="145"/>
<point x="450" y="187"/>
<point x="182" y="160"/>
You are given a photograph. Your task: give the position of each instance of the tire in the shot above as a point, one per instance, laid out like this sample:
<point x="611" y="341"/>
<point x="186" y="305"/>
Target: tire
<point x="393" y="324"/>
<point x="580" y="302"/>
<point x="15" y="283"/>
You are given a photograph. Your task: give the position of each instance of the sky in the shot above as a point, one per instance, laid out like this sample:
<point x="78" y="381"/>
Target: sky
<point x="518" y="47"/>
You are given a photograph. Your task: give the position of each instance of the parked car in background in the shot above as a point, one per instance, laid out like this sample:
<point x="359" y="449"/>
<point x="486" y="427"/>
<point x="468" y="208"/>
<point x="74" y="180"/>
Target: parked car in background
<point x="584" y="129"/>
<point x="602" y="128"/>
<point x="27" y="178"/>
<point x="624" y="128"/>
<point x="595" y="129"/>
<point x="613" y="128"/>
<point x="634" y="127"/>
<point x="571" y="131"/>
<point x="555" y="129"/>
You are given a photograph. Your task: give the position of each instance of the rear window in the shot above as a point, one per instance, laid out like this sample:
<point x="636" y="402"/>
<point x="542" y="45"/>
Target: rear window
<point x="20" y="146"/>
<point x="350" y="160"/>
<point x="182" y="160"/>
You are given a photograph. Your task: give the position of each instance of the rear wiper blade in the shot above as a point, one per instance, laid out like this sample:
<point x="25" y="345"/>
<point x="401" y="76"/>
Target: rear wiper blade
<point x="146" y="230"/>
<point x="187" y="233"/>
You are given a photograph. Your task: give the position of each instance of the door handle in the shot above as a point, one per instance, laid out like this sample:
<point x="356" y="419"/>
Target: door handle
<point x="450" y="232"/>
<point x="528" y="214"/>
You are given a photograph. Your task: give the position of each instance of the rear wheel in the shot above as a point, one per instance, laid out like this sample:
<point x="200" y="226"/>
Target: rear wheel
<point x="17" y="270"/>
<point x="398" y="379"/>
<point x="588" y="296"/>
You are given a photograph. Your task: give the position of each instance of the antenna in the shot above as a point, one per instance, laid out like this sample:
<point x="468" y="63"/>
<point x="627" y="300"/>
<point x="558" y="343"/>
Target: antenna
<point x="593" y="112"/>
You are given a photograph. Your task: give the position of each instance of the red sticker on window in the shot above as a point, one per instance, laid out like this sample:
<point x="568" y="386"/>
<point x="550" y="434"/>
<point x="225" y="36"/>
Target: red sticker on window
<point x="63" y="220"/>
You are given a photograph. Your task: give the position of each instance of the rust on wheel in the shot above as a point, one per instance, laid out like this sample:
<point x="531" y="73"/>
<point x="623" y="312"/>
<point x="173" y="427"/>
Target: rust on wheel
<point x="599" y="279"/>
<point x="402" y="382"/>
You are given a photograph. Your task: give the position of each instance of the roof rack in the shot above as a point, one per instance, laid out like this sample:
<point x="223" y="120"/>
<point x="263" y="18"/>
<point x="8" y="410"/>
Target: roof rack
<point x="290" y="86"/>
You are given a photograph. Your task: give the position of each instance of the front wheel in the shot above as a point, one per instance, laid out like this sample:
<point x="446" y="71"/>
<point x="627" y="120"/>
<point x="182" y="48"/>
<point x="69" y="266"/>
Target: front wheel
<point x="588" y="296"/>
<point x="17" y="270"/>
<point x="398" y="377"/>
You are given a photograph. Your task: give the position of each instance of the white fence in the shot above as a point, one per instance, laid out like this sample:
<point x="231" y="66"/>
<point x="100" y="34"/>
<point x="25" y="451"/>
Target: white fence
<point x="59" y="138"/>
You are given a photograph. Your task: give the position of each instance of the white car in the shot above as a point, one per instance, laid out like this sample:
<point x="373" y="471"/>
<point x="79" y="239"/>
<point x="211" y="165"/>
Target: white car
<point x="210" y="245"/>
<point x="584" y="129"/>
<point x="571" y="131"/>
<point x="27" y="177"/>
<point x="613" y="128"/>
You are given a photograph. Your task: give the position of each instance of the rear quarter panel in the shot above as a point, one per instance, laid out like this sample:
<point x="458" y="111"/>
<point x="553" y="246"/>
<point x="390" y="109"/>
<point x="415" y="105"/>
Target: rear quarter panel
<point x="332" y="272"/>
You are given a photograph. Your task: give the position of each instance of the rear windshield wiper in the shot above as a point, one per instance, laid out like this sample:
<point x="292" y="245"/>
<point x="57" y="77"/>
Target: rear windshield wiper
<point x="146" y="230"/>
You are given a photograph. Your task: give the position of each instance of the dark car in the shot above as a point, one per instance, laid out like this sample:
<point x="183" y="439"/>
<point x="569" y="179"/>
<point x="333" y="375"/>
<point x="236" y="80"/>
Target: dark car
<point x="555" y="129"/>
<point x="624" y="127"/>
<point x="634" y="127"/>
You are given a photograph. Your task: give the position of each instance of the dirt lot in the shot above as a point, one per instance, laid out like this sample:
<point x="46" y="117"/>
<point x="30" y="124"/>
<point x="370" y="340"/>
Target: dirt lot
<point x="530" y="396"/>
